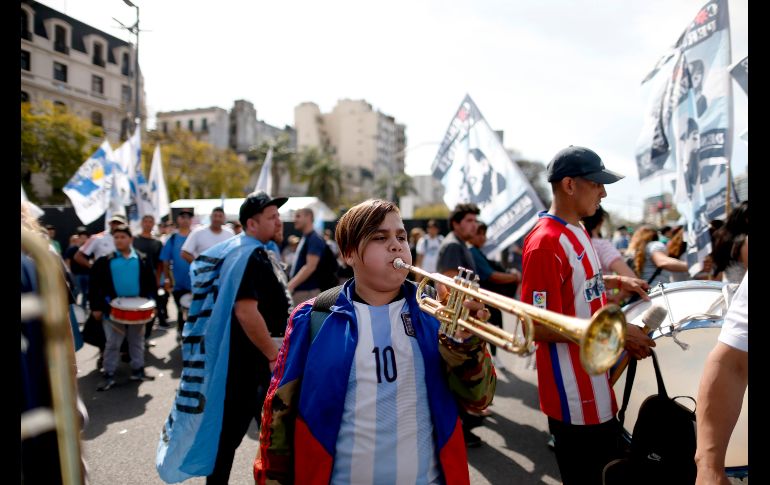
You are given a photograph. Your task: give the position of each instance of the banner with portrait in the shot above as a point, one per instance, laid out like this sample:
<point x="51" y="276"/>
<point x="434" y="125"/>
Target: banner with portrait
<point x="474" y="167"/>
<point x="687" y="132"/>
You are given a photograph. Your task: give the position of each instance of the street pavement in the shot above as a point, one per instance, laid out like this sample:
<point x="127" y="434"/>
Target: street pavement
<point x="121" y="437"/>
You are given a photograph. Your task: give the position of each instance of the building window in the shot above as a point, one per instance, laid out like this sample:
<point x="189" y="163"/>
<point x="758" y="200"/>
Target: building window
<point x="25" y="32"/>
<point x="124" y="67"/>
<point x="98" y="54"/>
<point x="165" y="126"/>
<point x="124" y="129"/>
<point x="60" y="40"/>
<point x="24" y="97"/>
<point x="59" y="106"/>
<point x="96" y="119"/>
<point x="25" y="63"/>
<point x="191" y="125"/>
<point x="205" y="124"/>
<point x="178" y="125"/>
<point x="60" y="72"/>
<point x="126" y="94"/>
<point x="97" y="84"/>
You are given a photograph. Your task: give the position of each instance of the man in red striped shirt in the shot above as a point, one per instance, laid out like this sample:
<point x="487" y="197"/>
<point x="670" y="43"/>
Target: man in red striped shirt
<point x="562" y="273"/>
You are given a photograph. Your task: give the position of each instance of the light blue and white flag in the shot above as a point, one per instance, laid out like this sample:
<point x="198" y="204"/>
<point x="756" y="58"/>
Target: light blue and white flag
<point x="265" y="181"/>
<point x="158" y="191"/>
<point x="474" y="167"/>
<point x="90" y="188"/>
<point x="688" y="133"/>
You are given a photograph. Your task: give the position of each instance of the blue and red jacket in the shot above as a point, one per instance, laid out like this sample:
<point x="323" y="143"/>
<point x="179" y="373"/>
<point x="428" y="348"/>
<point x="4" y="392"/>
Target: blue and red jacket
<point x="302" y="413"/>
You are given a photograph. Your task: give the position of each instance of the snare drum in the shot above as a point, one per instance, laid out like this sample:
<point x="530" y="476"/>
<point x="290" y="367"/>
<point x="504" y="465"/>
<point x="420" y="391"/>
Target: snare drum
<point x="696" y="311"/>
<point x="132" y="310"/>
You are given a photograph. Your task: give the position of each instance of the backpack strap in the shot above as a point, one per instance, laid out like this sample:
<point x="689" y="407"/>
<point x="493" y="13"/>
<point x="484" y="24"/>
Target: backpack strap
<point x="630" y="374"/>
<point x="322" y="309"/>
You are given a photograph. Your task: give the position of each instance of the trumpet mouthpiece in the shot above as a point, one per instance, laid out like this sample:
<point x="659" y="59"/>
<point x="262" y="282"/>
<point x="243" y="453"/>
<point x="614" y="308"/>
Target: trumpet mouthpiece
<point x="398" y="263"/>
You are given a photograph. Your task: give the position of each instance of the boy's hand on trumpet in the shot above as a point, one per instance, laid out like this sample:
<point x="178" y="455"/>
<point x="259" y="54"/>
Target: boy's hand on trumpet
<point x="481" y="312"/>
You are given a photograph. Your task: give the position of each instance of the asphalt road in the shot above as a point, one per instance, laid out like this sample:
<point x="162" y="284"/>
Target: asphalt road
<point x="121" y="437"/>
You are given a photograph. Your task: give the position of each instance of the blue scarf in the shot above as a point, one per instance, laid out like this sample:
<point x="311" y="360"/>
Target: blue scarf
<point x="189" y="439"/>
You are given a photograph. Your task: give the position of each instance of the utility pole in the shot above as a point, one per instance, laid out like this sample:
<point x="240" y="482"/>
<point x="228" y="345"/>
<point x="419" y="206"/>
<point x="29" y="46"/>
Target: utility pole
<point x="134" y="29"/>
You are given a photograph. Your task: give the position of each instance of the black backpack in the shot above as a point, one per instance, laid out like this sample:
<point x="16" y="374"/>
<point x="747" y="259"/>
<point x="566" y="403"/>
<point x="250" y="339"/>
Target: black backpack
<point x="663" y="442"/>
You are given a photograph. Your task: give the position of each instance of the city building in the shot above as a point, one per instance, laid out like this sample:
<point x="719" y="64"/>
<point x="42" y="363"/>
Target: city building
<point x="80" y="68"/>
<point x="367" y="143"/>
<point x="211" y="125"/>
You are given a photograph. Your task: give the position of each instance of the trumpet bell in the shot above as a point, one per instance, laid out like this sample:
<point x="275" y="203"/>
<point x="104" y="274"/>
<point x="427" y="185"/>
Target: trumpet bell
<point x="603" y="340"/>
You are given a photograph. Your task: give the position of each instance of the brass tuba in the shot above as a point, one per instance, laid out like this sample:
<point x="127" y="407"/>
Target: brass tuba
<point x="51" y="306"/>
<point x="601" y="338"/>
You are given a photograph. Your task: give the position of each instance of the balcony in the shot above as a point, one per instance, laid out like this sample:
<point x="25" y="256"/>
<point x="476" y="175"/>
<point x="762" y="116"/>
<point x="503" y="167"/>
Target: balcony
<point x="26" y="35"/>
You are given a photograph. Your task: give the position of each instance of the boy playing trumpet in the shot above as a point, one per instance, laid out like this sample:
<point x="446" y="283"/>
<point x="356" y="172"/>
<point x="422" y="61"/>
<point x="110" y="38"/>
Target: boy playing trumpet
<point x="372" y="395"/>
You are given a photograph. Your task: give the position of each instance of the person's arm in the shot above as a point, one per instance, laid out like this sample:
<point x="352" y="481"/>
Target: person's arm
<point x="720" y="397"/>
<point x="82" y="259"/>
<point x="470" y="373"/>
<point x="311" y="263"/>
<point x="663" y="261"/>
<point x="255" y="327"/>
<point x="188" y="248"/>
<point x="505" y="278"/>
<point x="629" y="284"/>
<point x="620" y="267"/>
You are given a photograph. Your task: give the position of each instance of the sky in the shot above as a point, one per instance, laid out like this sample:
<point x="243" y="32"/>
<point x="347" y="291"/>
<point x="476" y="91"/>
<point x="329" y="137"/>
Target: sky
<point x="549" y="74"/>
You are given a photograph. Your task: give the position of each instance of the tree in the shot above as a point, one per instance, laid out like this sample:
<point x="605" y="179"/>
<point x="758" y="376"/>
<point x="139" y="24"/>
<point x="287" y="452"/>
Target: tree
<point x="323" y="175"/>
<point x="195" y="169"/>
<point x="535" y="173"/>
<point x="284" y="160"/>
<point x="54" y="142"/>
<point x="435" y="211"/>
<point x="402" y="185"/>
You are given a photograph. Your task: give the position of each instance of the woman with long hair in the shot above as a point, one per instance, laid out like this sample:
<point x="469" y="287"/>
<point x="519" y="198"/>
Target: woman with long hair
<point x="650" y="257"/>
<point x="730" y="248"/>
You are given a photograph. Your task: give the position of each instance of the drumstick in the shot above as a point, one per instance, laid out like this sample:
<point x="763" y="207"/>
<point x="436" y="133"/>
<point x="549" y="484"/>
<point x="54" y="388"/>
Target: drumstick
<point x="652" y="318"/>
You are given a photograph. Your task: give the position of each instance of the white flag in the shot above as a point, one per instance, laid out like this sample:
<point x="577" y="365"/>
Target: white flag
<point x="36" y="211"/>
<point x="90" y="188"/>
<point x="265" y="181"/>
<point x="158" y="192"/>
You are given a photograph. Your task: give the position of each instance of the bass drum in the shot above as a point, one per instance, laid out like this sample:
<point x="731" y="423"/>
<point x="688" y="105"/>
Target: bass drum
<point x="696" y="311"/>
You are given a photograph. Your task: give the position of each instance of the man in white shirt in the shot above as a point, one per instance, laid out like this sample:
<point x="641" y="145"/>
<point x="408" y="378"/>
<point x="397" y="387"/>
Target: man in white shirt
<point x="203" y="238"/>
<point x="427" y="248"/>
<point x="100" y="244"/>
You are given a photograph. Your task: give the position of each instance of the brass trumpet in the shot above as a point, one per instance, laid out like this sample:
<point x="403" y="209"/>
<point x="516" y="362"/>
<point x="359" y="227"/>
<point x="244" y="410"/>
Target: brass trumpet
<point x="601" y="338"/>
<point x="51" y="307"/>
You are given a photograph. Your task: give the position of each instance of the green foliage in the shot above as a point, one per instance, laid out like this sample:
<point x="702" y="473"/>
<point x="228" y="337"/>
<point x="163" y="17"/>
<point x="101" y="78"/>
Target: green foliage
<point x="323" y="175"/>
<point x="284" y="160"/>
<point x="435" y="211"/>
<point x="535" y="172"/>
<point x="195" y="169"/>
<point x="402" y="185"/>
<point x="54" y="142"/>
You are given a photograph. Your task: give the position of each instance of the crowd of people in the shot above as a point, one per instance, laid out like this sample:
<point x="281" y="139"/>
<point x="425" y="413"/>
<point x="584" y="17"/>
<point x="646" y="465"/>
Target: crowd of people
<point x="334" y="359"/>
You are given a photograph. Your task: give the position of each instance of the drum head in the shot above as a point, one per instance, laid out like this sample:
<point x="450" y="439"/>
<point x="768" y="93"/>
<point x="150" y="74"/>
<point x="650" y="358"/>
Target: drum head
<point x="682" y="369"/>
<point x="132" y="303"/>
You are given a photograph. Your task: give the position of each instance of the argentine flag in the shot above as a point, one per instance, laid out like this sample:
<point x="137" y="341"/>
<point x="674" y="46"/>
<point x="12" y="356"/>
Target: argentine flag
<point x="90" y="188"/>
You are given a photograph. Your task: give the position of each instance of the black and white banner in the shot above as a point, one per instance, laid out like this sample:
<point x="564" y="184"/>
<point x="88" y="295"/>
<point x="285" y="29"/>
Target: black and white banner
<point x="474" y="167"/>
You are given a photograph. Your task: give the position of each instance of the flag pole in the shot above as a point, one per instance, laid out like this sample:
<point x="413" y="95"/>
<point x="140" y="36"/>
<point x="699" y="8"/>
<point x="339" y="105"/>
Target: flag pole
<point x="730" y="125"/>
